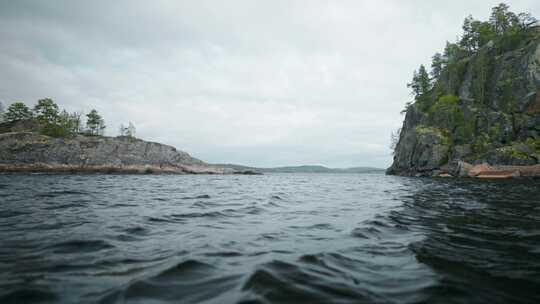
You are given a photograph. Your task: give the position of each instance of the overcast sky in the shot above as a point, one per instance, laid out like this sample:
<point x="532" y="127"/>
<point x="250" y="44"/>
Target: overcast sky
<point x="262" y="83"/>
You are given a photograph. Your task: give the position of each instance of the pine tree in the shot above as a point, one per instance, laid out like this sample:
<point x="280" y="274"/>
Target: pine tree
<point x="437" y="65"/>
<point x="501" y="19"/>
<point x="95" y="123"/>
<point x="17" y="111"/>
<point x="46" y="111"/>
<point x="421" y="87"/>
<point x="421" y="83"/>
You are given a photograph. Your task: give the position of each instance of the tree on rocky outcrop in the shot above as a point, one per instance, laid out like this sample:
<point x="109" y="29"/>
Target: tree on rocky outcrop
<point x="131" y="130"/>
<point x="420" y="86"/>
<point x="55" y="123"/>
<point x="437" y="65"/>
<point x="469" y="38"/>
<point x="128" y="131"/>
<point x="475" y="34"/>
<point x="46" y="111"/>
<point x="501" y="19"/>
<point x="508" y="27"/>
<point x="527" y="21"/>
<point x="67" y="124"/>
<point x="17" y="111"/>
<point x="453" y="52"/>
<point x="76" y="122"/>
<point x="95" y="123"/>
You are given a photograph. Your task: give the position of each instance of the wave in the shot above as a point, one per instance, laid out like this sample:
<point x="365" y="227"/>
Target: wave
<point x="190" y="281"/>
<point x="79" y="246"/>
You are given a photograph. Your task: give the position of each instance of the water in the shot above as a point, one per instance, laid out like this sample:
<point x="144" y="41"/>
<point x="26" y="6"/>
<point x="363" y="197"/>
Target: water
<point x="278" y="238"/>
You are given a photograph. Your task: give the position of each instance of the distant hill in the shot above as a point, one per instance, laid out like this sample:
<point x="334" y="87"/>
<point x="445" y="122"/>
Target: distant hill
<point x="302" y="169"/>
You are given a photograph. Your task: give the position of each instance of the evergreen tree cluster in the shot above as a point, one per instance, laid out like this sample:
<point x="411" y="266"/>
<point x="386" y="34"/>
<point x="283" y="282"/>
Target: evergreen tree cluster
<point x="503" y="32"/>
<point x="54" y="122"/>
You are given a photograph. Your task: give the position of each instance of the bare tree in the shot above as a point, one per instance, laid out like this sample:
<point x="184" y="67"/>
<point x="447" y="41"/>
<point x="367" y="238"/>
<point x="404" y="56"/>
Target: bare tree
<point x="128" y="131"/>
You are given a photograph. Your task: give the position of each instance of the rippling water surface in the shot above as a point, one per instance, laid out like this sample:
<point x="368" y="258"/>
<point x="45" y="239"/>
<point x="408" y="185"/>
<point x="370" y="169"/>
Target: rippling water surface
<point x="278" y="238"/>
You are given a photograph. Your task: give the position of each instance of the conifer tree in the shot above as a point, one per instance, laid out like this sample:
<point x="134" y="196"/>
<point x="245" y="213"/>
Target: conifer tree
<point x="17" y="111"/>
<point x="46" y="111"/>
<point x="95" y="123"/>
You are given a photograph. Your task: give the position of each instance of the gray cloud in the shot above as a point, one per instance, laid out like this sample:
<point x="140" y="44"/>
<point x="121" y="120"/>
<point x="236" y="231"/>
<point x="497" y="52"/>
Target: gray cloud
<point x="256" y="82"/>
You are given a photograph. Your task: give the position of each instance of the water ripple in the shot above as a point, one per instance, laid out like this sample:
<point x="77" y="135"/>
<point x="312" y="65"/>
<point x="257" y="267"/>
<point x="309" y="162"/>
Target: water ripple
<point x="277" y="238"/>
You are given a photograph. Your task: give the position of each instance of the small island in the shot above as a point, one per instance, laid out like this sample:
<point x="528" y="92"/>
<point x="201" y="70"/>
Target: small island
<point x="477" y="112"/>
<point x="45" y="139"/>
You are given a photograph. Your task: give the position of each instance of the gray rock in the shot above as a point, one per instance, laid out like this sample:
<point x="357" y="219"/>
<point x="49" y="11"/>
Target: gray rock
<point x="28" y="151"/>
<point x="509" y="115"/>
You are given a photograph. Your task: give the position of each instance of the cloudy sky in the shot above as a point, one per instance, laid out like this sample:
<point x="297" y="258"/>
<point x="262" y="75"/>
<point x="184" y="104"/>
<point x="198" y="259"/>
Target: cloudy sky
<point x="261" y="83"/>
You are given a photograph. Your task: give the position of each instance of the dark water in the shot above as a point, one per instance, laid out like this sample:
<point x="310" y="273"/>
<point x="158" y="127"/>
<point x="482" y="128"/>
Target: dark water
<point x="280" y="238"/>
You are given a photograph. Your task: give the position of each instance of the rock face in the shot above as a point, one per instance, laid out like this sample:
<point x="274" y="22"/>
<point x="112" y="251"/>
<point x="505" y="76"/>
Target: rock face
<point x="32" y="152"/>
<point x="494" y="119"/>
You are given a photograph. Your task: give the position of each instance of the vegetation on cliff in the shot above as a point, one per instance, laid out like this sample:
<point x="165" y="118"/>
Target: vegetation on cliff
<point x="47" y="118"/>
<point x="480" y="102"/>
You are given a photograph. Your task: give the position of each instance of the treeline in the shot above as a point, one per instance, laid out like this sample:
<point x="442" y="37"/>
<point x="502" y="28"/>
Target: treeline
<point x="53" y="121"/>
<point x="503" y="32"/>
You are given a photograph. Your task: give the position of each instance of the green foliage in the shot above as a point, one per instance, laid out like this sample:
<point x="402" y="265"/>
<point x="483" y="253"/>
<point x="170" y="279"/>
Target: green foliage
<point x="466" y="131"/>
<point x="495" y="132"/>
<point x="476" y="52"/>
<point x="17" y="111"/>
<point x="421" y="87"/>
<point x="66" y="125"/>
<point x="445" y="104"/>
<point x="506" y="89"/>
<point x="54" y="123"/>
<point x="504" y="29"/>
<point x="447" y="113"/>
<point x="437" y="64"/>
<point x="481" y="144"/>
<point x="95" y="123"/>
<point x="481" y="69"/>
<point x="521" y="149"/>
<point x="534" y="144"/>
<point x="46" y="111"/>
<point x="454" y="72"/>
<point x="440" y="133"/>
<point x="508" y="29"/>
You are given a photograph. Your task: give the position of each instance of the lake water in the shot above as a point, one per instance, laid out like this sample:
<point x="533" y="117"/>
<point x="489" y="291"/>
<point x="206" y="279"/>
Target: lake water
<point x="277" y="238"/>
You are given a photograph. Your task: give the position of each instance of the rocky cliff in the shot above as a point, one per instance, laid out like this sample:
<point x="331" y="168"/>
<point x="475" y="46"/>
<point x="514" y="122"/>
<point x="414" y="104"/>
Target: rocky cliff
<point x="485" y="110"/>
<point x="24" y="151"/>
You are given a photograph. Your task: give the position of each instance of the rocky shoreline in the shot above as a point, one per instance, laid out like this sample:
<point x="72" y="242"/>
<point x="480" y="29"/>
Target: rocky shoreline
<point x="462" y="169"/>
<point x="30" y="152"/>
<point x="147" y="169"/>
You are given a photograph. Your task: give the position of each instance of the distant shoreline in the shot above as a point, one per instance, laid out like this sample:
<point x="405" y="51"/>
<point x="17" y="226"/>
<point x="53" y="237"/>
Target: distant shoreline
<point x="302" y="169"/>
